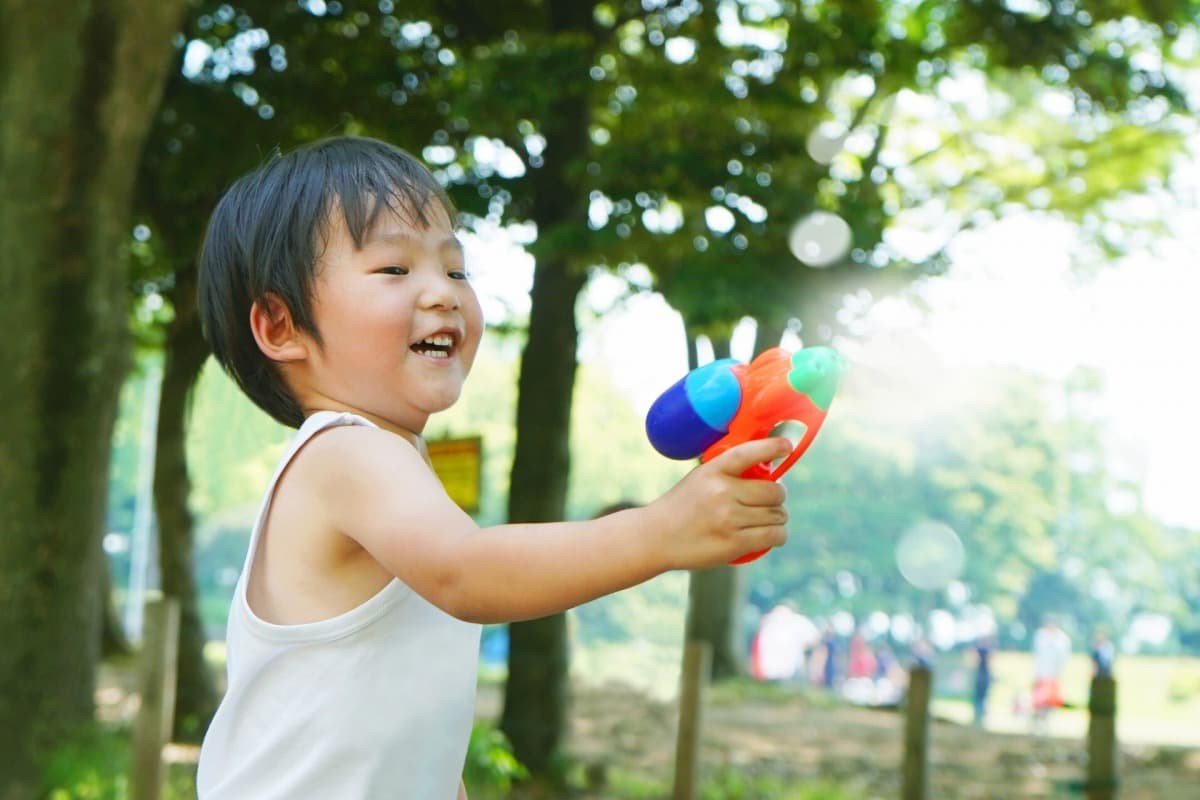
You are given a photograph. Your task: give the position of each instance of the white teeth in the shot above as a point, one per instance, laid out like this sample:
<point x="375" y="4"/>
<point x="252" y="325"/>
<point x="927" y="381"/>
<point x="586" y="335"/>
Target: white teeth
<point x="437" y="345"/>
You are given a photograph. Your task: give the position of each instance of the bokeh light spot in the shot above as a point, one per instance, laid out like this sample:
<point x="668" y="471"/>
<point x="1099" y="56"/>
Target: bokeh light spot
<point x="930" y="555"/>
<point x="821" y="239"/>
<point x="825" y="141"/>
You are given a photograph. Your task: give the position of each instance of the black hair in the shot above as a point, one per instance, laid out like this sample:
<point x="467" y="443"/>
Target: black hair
<point x="269" y="230"/>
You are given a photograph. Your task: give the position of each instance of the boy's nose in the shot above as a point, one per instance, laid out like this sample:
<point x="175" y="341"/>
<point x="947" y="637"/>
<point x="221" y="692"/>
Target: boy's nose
<point x="440" y="292"/>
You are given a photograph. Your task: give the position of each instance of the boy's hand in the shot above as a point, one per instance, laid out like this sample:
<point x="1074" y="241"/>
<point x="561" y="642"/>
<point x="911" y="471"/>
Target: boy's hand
<point x="715" y="515"/>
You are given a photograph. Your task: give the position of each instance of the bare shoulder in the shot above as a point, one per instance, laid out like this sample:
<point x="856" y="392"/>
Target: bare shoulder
<point x="370" y="482"/>
<point x="355" y="457"/>
<point x="373" y="493"/>
<point x="342" y="473"/>
<point x="357" y="446"/>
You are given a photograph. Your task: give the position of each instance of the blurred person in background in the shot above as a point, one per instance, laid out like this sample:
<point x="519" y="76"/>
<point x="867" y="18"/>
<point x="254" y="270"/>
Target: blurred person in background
<point x="982" y="650"/>
<point x="1051" y="649"/>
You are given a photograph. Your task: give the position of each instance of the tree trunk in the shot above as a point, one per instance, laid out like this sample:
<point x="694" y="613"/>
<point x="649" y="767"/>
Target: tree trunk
<point x="714" y="595"/>
<point x="535" y="696"/>
<point x="186" y="351"/>
<point x="76" y="96"/>
<point x="713" y="616"/>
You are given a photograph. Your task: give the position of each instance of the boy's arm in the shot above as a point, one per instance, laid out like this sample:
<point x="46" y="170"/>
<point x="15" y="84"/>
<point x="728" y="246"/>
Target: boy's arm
<point x="462" y="791"/>
<point x="375" y="488"/>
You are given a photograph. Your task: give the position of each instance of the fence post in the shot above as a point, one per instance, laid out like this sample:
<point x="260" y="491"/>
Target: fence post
<point x="697" y="658"/>
<point x="1102" y="739"/>
<point x="916" y="735"/>
<point x="152" y="728"/>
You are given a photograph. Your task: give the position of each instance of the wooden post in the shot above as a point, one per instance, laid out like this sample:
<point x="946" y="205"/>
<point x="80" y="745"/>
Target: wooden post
<point x="697" y="662"/>
<point x="152" y="728"/>
<point x="916" y="735"/>
<point x="1102" y="740"/>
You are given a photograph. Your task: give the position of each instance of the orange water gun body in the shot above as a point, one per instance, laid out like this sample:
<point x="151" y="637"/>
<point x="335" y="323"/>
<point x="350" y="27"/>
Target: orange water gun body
<point x="725" y="403"/>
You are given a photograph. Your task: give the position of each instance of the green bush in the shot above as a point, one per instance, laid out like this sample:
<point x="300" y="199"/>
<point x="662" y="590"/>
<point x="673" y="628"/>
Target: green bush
<point x="491" y="765"/>
<point x="742" y="784"/>
<point x="1184" y="686"/>
<point x="95" y="766"/>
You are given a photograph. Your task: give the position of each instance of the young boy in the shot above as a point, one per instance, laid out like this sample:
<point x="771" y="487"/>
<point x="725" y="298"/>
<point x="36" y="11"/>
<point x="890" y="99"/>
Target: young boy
<point x="333" y="290"/>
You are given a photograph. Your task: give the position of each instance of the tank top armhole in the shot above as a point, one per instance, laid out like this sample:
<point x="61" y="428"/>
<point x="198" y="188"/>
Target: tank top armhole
<point x="343" y="623"/>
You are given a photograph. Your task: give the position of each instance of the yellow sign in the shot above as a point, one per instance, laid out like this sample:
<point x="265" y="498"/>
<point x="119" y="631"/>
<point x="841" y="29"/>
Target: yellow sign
<point x="459" y="465"/>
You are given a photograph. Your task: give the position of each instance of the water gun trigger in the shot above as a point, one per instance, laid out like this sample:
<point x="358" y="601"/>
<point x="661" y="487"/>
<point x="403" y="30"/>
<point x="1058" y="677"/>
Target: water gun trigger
<point x="810" y="433"/>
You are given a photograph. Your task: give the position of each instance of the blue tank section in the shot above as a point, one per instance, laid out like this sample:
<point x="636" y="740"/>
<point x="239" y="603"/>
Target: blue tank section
<point x="695" y="411"/>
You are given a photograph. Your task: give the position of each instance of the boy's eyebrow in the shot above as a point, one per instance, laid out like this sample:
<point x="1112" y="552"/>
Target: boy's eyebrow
<point x="451" y="242"/>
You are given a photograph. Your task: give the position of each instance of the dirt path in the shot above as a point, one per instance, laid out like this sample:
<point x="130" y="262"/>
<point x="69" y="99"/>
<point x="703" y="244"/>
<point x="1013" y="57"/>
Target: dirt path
<point x="787" y="734"/>
<point x="800" y="736"/>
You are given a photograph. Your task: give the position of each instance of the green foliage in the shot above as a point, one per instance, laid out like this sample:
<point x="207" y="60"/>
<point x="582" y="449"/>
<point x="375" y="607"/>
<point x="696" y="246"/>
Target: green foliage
<point x="91" y="767"/>
<point x="491" y="767"/>
<point x="232" y="446"/>
<point x="95" y="766"/>
<point x="1184" y="687"/>
<point x="742" y="784"/>
<point x="731" y="783"/>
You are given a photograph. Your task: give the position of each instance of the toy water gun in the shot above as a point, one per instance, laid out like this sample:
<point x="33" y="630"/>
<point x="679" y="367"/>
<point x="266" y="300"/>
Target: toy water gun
<point x="726" y="403"/>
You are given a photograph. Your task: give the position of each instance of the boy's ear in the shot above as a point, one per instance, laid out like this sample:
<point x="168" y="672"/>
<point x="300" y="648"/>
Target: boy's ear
<point x="275" y="332"/>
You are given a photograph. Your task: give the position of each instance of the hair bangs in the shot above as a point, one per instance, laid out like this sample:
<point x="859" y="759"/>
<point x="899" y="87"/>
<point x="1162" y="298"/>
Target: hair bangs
<point x="386" y="184"/>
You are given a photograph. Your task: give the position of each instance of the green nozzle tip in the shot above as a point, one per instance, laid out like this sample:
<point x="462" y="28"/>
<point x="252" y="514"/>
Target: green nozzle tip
<point x="815" y="372"/>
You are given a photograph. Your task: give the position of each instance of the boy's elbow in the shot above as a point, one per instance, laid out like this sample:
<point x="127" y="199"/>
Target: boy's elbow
<point x="475" y="584"/>
<point x="447" y="591"/>
<point x="456" y="594"/>
<point x="470" y="601"/>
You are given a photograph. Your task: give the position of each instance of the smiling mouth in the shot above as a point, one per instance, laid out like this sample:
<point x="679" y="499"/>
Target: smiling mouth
<point x="440" y="345"/>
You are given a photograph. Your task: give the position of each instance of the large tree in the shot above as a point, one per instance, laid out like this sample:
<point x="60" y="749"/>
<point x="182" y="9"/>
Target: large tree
<point x="76" y="96"/>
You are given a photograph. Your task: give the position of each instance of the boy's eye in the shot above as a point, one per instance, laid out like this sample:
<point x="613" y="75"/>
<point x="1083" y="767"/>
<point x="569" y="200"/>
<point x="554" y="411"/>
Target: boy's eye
<point x="458" y="274"/>
<point x="394" y="270"/>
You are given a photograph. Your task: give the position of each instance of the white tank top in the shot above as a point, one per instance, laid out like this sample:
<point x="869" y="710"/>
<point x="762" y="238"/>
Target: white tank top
<point x="373" y="703"/>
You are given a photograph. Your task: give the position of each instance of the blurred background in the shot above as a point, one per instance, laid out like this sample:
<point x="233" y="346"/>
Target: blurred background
<point x="989" y="208"/>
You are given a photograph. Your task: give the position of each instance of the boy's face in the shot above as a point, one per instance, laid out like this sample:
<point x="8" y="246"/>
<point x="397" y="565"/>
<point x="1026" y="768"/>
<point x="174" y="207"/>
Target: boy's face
<point x="399" y="323"/>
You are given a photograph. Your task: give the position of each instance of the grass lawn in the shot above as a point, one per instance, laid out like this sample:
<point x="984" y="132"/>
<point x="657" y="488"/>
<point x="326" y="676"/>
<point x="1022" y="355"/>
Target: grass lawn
<point x="1158" y="698"/>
